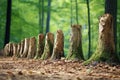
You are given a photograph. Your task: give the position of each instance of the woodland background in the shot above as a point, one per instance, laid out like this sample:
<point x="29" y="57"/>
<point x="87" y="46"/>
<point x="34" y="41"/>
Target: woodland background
<point x="31" y="17"/>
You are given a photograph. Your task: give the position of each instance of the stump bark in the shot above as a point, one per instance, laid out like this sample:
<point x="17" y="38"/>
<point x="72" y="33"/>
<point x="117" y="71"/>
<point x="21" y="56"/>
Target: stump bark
<point x="8" y="49"/>
<point x="18" y="49"/>
<point x="32" y="48"/>
<point x="75" y="50"/>
<point x="26" y="47"/>
<point x="58" y="50"/>
<point x="15" y="50"/>
<point x="22" y="47"/>
<point x="106" y="48"/>
<point x="49" y="42"/>
<point x="40" y="47"/>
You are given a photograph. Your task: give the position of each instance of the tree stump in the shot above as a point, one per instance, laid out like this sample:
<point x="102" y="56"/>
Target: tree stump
<point x="18" y="49"/>
<point x="49" y="41"/>
<point x="106" y="48"/>
<point x="58" y="50"/>
<point x="26" y="47"/>
<point x="32" y="48"/>
<point x="40" y="47"/>
<point x="22" y="47"/>
<point x="75" y="50"/>
<point x="8" y="49"/>
<point x="15" y="50"/>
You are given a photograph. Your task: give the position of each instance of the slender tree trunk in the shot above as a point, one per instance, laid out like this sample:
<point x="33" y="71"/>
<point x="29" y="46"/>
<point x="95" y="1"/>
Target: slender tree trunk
<point x="48" y="16"/>
<point x="58" y="50"/>
<point x="71" y="14"/>
<point x="8" y="22"/>
<point x="42" y="23"/>
<point x="40" y="20"/>
<point x="111" y="8"/>
<point x="106" y="47"/>
<point x="89" y="30"/>
<point x="48" y="49"/>
<point x="76" y="11"/>
<point x="41" y="16"/>
<point x="40" y="47"/>
<point x="75" y="50"/>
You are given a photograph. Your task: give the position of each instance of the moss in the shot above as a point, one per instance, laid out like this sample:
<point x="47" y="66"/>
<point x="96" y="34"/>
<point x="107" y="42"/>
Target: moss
<point x="47" y="50"/>
<point x="75" y="50"/>
<point x="106" y="46"/>
<point x="99" y="55"/>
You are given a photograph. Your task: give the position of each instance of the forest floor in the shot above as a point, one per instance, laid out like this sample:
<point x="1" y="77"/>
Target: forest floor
<point x="30" y="69"/>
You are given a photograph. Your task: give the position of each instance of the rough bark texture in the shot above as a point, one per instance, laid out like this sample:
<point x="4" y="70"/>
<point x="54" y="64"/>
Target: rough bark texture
<point x="40" y="47"/>
<point x="58" y="50"/>
<point x="2" y="52"/>
<point x="8" y="49"/>
<point x="32" y="48"/>
<point x="49" y="41"/>
<point x="15" y="50"/>
<point x="106" y="48"/>
<point x="26" y="47"/>
<point x="22" y="47"/>
<point x="75" y="50"/>
<point x="18" y="49"/>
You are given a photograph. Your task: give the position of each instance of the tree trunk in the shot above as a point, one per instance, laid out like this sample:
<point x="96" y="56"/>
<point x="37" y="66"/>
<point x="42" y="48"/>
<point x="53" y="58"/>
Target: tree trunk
<point x="106" y="47"/>
<point x="22" y="47"/>
<point x="111" y="8"/>
<point x="58" y="50"/>
<point x="26" y="47"/>
<point x="75" y="51"/>
<point x="8" y="22"/>
<point x="32" y="48"/>
<point x="48" y="16"/>
<point x="40" y="48"/>
<point x="89" y="30"/>
<point x="49" y="41"/>
<point x="76" y="2"/>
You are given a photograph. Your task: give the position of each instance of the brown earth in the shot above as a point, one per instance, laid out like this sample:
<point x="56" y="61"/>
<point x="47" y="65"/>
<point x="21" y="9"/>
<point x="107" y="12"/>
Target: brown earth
<point x="29" y="69"/>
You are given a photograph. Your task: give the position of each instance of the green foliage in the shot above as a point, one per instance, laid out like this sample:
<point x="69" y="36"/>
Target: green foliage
<point x="25" y="20"/>
<point x="3" y="6"/>
<point x="118" y="29"/>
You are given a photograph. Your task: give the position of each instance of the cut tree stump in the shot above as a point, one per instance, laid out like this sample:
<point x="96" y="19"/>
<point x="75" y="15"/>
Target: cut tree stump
<point x="32" y="48"/>
<point x="18" y="49"/>
<point x="22" y="47"/>
<point x="26" y="47"/>
<point x="58" y="50"/>
<point x="8" y="49"/>
<point x="106" y="48"/>
<point x="49" y="42"/>
<point x="15" y="50"/>
<point x="40" y="47"/>
<point x="75" y="50"/>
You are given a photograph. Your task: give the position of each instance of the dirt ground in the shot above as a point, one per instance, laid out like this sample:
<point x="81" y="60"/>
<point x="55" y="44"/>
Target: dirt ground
<point x="30" y="69"/>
